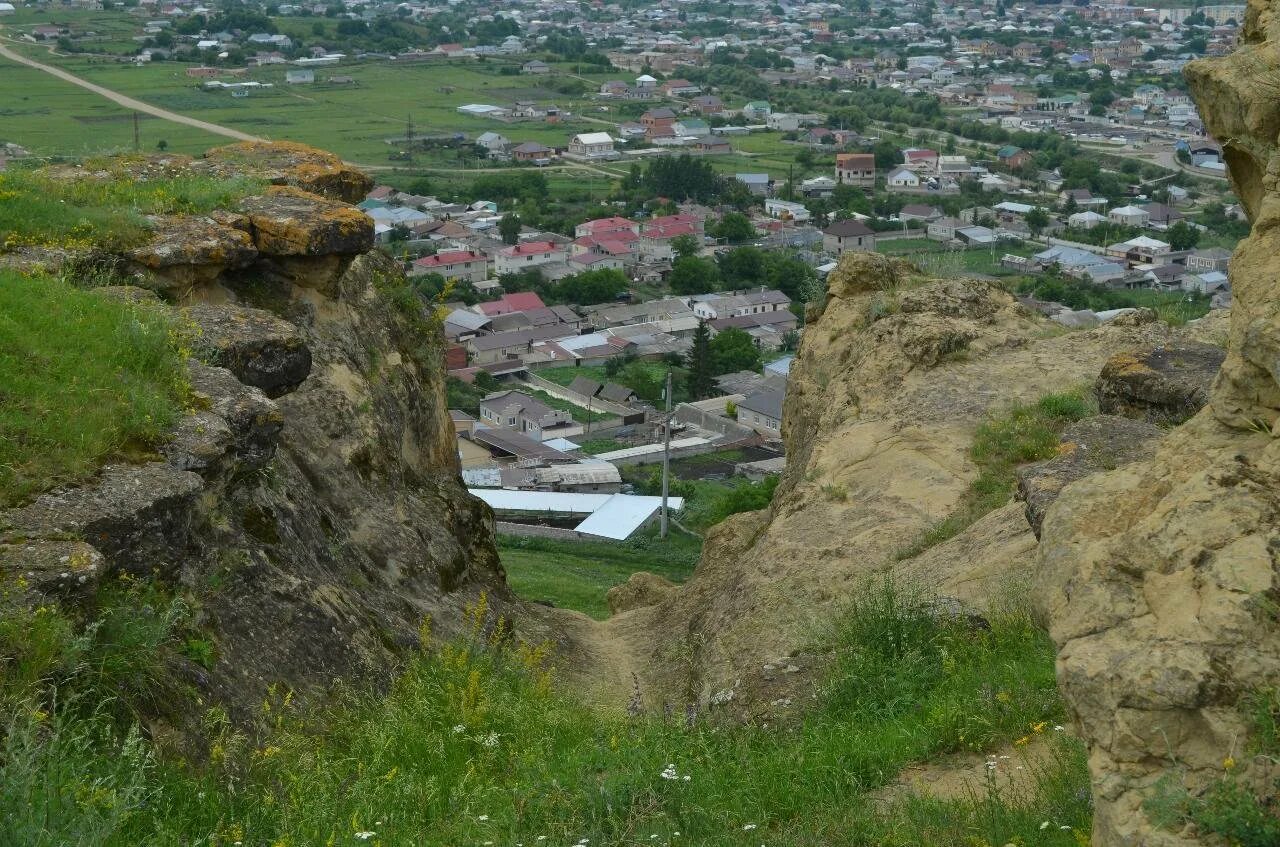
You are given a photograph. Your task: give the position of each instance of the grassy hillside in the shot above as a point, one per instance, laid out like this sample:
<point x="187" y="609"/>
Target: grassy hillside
<point x="473" y="746"/>
<point x="83" y="378"/>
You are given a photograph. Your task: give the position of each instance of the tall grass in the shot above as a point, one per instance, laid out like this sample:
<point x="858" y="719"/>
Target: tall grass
<point x="103" y="210"/>
<point x="1023" y="434"/>
<point x="473" y="744"/>
<point x="82" y="378"/>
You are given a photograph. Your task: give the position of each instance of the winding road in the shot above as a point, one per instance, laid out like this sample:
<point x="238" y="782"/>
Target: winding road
<point x="128" y="102"/>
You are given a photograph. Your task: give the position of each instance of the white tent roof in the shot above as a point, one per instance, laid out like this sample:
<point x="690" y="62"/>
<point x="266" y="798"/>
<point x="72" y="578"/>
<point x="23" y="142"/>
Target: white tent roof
<point x="623" y="514"/>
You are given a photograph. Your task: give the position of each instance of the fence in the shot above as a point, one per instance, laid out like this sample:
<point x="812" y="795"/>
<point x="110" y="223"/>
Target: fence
<point x="527" y="530"/>
<point x="726" y="428"/>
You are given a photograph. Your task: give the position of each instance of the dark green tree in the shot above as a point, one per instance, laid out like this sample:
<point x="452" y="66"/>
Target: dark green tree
<point x="700" y="378"/>
<point x="735" y="228"/>
<point x="693" y="275"/>
<point x="734" y="350"/>
<point x="509" y="227"/>
<point x="1037" y="219"/>
<point x="685" y="245"/>
<point x="1183" y="236"/>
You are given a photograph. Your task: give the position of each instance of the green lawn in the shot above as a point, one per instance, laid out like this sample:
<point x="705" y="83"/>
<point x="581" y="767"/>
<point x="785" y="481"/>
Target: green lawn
<point x="936" y="260"/>
<point x="83" y="378"/>
<point x="578" y="575"/>
<point x="644" y="378"/>
<point x="579" y="414"/>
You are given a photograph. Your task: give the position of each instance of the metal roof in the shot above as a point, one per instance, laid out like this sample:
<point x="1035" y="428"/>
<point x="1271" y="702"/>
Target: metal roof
<point x="622" y="514"/>
<point x="520" y="446"/>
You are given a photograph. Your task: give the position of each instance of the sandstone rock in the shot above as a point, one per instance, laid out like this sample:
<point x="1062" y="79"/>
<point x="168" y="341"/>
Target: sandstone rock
<point x="290" y="222"/>
<point x="138" y="516"/>
<point x="287" y="163"/>
<point x="884" y="397"/>
<point x="1165" y="384"/>
<point x="1096" y="444"/>
<point x="640" y="589"/>
<point x="1156" y="578"/>
<point x="186" y="252"/>
<point x="261" y="349"/>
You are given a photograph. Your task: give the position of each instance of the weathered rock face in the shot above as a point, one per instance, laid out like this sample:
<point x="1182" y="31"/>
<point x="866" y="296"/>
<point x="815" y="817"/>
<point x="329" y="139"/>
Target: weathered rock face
<point x="1165" y="384"/>
<point x="310" y="497"/>
<point x="884" y="397"/>
<point x="1096" y="444"/>
<point x="284" y="163"/>
<point x="1159" y="580"/>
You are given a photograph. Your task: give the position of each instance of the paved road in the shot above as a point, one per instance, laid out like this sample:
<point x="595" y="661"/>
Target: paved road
<point x="128" y="102"/>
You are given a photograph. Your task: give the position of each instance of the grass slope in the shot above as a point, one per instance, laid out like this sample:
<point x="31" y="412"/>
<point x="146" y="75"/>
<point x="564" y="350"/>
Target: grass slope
<point x="82" y="378"/>
<point x="578" y="575"/>
<point x="472" y="746"/>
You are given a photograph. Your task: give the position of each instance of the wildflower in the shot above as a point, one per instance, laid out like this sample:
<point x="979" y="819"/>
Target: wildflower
<point x="1044" y="825"/>
<point x="365" y="835"/>
<point x="1064" y="826"/>
<point x="1058" y="728"/>
<point x="1003" y="697"/>
<point x="669" y="772"/>
<point x="686" y="777"/>
<point x="483" y="818"/>
<point x="1039" y="727"/>
<point x="1023" y="740"/>
<point x="748" y="827"/>
<point x="490" y="740"/>
<point x="1228" y="763"/>
<point x="458" y="729"/>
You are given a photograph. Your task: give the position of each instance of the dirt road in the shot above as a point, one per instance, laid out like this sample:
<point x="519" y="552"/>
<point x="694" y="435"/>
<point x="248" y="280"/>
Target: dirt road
<point x="128" y="102"/>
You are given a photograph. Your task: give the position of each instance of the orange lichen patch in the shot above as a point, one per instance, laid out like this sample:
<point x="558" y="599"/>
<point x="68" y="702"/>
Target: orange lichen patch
<point x="290" y="163"/>
<point x="1126" y="364"/>
<point x="288" y="221"/>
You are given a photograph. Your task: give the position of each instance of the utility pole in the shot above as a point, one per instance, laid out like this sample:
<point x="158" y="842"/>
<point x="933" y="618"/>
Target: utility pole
<point x="666" y="456"/>
<point x="137" y="144"/>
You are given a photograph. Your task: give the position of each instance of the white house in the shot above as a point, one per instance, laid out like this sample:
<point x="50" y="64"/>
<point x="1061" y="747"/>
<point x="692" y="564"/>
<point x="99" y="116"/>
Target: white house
<point x="530" y="254"/>
<point x="901" y="178"/>
<point x="1129" y="216"/>
<point x="786" y="210"/>
<point x="299" y="77"/>
<point x="592" y="145"/>
<point x="493" y="142"/>
<point x="1087" y="219"/>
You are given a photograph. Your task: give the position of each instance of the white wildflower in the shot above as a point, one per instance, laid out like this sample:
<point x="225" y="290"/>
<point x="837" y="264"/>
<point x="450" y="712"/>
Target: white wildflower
<point x="490" y="740"/>
<point x="747" y="827"/>
<point x="1059" y="728"/>
<point x="365" y="835"/>
<point x="1044" y="825"/>
<point x="482" y="818"/>
<point x="458" y="729"/>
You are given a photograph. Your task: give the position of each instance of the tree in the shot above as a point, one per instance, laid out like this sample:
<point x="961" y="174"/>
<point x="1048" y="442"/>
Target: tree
<point x="735" y="228"/>
<point x="590" y="287"/>
<point x="1037" y="219"/>
<point x="1183" y="236"/>
<point x="734" y="350"/>
<point x="509" y="227"/>
<point x="699" y="381"/>
<point x="162" y="145"/>
<point x="693" y="275"/>
<point x="486" y="382"/>
<point x="685" y="246"/>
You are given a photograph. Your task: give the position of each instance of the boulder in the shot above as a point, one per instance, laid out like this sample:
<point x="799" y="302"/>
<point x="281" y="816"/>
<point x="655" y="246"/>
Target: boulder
<point x="1090" y="446"/>
<point x="289" y="222"/>
<point x="1163" y="384"/>
<point x="138" y="517"/>
<point x="261" y="349"/>
<point x="187" y="252"/>
<point x="288" y="163"/>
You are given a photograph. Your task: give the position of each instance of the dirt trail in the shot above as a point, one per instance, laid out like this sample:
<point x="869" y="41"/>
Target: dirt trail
<point x="128" y="102"/>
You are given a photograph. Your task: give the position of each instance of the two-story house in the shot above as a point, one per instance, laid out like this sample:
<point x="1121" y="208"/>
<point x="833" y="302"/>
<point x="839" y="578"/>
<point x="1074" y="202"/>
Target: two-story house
<point x="528" y="254"/>
<point x="857" y="169"/>
<point x="846" y="235"/>
<point x="528" y="415"/>
<point x="468" y="265"/>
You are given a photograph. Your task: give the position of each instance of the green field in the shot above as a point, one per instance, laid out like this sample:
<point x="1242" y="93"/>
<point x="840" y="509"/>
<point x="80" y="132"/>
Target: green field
<point x="935" y="259"/>
<point x="578" y="575"/>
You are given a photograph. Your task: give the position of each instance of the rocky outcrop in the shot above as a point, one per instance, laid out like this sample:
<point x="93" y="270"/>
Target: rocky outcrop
<point x="894" y="374"/>
<point x="309" y="498"/>
<point x="1091" y="446"/>
<point x="1165" y="384"/>
<point x="1159" y="580"/>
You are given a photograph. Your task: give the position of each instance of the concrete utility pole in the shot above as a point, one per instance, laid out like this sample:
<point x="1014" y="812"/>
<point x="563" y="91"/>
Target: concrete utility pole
<point x="666" y="456"/>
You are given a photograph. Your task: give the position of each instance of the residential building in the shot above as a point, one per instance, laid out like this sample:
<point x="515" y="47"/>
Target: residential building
<point x="528" y="415"/>
<point x="857" y="169"/>
<point x="528" y="254"/>
<point x="1012" y="157"/>
<point x="592" y="145"/>
<point x="786" y="210"/>
<point x="710" y="307"/>
<point x="1129" y="216"/>
<point x="902" y="179"/>
<point x="532" y="151"/>
<point x="757" y="184"/>
<point x="762" y="411"/>
<point x="1209" y="260"/>
<point x="846" y="235"/>
<point x="468" y="265"/>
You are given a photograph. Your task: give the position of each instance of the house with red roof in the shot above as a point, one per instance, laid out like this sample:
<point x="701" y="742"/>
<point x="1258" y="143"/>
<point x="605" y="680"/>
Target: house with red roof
<point x="519" y="301"/>
<point x="920" y="159"/>
<point x="528" y="254"/>
<point x="601" y="226"/>
<point x="468" y="265"/>
<point x="657" y="235"/>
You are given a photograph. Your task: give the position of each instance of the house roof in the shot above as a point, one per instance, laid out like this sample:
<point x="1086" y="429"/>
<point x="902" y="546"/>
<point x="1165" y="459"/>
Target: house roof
<point x="519" y="301"/>
<point x="530" y="248"/>
<point x="849" y="228"/>
<point x="593" y="138"/>
<point x="767" y="403"/>
<point x="448" y="258"/>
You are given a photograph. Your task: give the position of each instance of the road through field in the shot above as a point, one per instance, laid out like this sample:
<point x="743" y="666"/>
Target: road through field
<point x="128" y="102"/>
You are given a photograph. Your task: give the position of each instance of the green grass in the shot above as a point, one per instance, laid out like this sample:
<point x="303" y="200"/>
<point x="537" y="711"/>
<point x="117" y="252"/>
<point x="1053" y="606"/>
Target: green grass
<point x="579" y="414"/>
<point x="1172" y="307"/>
<point x="1024" y="433"/>
<point x="83" y="378"/>
<point x="106" y="211"/>
<point x="578" y="575"/>
<point x="473" y="743"/>
<point x="645" y="378"/>
<point x="595" y="446"/>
